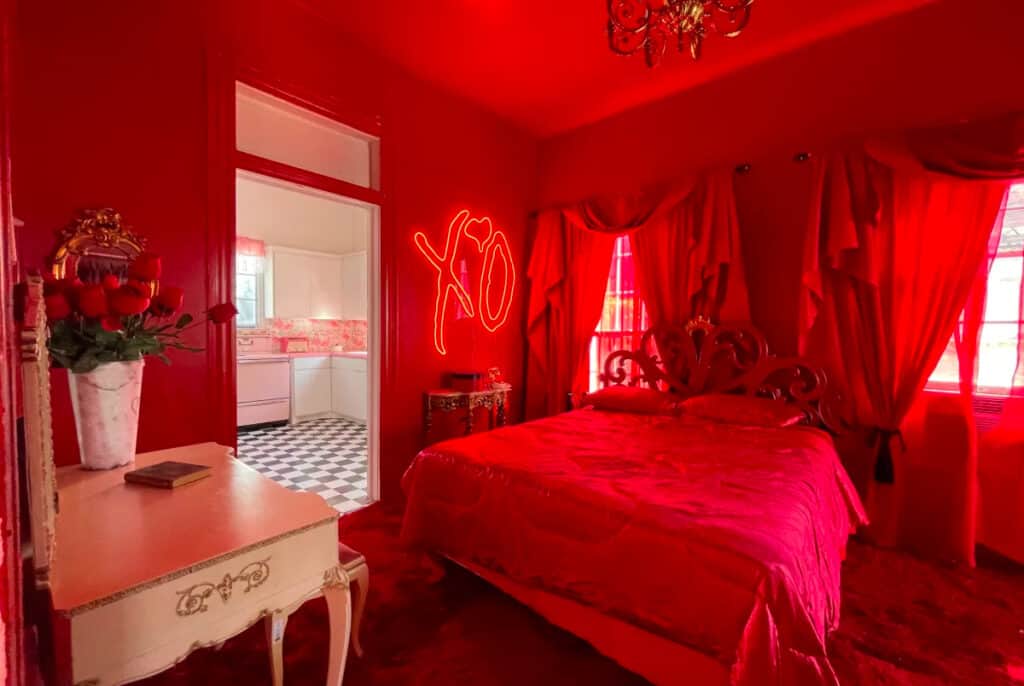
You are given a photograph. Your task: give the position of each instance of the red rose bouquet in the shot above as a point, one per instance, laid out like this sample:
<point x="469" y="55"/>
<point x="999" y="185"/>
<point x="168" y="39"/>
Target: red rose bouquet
<point x="119" y="320"/>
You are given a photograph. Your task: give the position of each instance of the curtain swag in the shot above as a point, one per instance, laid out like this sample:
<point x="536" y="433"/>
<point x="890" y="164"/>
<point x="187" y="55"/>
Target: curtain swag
<point x="683" y="235"/>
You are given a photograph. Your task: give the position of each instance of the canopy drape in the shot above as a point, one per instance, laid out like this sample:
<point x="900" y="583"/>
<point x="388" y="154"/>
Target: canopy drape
<point x="686" y="245"/>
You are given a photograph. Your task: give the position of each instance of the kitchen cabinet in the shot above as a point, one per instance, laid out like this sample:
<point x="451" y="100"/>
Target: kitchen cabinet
<point x="290" y="286"/>
<point x="311" y="387"/>
<point x="354" y="286"/>
<point x="326" y="287"/>
<point x="349" y="389"/>
<point x="304" y="285"/>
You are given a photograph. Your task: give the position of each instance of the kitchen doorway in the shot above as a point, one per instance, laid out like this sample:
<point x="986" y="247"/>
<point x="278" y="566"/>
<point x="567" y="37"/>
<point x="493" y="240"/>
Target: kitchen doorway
<point x="306" y="288"/>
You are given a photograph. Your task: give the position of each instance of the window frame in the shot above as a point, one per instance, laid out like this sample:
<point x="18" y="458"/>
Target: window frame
<point x="987" y="391"/>
<point x="259" y="301"/>
<point x="621" y="253"/>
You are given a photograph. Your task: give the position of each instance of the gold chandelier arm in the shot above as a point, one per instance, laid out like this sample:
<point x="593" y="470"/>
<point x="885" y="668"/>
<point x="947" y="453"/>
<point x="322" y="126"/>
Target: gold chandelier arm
<point x="639" y="25"/>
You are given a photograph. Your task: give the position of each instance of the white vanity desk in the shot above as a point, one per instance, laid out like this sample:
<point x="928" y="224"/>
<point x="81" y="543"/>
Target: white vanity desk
<point x="139" y="577"/>
<point x="143" y="576"/>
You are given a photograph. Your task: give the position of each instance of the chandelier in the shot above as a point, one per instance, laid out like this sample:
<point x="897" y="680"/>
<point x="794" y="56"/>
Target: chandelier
<point x="649" y="25"/>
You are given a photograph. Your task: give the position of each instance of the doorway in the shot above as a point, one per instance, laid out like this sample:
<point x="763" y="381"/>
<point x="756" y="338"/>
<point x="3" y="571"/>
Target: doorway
<point x="307" y="224"/>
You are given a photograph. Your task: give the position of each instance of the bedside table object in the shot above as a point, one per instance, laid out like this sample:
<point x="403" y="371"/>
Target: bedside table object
<point x="448" y="400"/>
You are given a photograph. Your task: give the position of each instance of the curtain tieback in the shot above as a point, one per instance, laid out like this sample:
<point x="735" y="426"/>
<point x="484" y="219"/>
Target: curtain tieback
<point x="885" y="472"/>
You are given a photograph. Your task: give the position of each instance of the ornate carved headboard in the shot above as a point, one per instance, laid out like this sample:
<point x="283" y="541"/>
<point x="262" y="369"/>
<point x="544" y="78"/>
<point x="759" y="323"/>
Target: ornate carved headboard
<point x="39" y="464"/>
<point x="699" y="358"/>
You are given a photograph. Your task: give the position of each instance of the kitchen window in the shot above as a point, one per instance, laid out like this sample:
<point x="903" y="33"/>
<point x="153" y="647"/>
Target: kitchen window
<point x="249" y="290"/>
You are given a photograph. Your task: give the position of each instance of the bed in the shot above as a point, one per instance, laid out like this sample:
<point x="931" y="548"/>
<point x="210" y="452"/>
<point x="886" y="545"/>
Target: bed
<point x="690" y="550"/>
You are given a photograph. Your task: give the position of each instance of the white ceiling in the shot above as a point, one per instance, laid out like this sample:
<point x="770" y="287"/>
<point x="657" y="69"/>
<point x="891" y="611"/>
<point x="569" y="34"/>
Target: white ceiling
<point x="286" y="214"/>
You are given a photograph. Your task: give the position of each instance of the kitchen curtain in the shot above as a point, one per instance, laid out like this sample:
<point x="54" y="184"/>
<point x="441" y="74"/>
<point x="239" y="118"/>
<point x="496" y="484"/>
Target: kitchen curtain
<point x="250" y="247"/>
<point x="685" y="240"/>
<point x="897" y="239"/>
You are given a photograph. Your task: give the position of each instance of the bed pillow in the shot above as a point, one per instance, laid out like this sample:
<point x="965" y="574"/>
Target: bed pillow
<point x="630" y="399"/>
<point x="742" y="409"/>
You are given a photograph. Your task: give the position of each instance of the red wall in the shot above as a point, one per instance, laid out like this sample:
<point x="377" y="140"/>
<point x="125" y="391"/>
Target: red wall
<point x="108" y="111"/>
<point x="951" y="60"/>
<point x="112" y="110"/>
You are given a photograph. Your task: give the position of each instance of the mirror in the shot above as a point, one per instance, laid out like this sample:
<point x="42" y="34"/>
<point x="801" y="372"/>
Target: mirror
<point x="95" y="244"/>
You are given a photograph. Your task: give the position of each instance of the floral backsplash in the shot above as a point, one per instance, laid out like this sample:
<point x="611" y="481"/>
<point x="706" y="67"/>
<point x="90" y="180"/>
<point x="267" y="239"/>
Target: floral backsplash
<point x="324" y="335"/>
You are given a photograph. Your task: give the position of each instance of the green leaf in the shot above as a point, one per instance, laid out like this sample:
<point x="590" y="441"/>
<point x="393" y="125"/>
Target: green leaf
<point x="62" y="360"/>
<point x="163" y="358"/>
<point x="85" y="364"/>
<point x="182" y="346"/>
<point x="107" y="339"/>
<point x="184" y="320"/>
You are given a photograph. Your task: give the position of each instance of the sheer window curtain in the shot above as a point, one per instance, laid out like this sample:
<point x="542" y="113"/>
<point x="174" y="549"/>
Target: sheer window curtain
<point x="993" y="363"/>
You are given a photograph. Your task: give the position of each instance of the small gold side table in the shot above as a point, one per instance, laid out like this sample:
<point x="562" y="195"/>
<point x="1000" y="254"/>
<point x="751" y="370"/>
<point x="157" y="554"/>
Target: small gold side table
<point x="448" y="400"/>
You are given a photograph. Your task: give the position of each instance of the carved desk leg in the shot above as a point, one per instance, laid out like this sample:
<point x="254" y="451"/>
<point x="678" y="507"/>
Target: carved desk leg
<point x="359" y="582"/>
<point x="339" y="609"/>
<point x="274" y="625"/>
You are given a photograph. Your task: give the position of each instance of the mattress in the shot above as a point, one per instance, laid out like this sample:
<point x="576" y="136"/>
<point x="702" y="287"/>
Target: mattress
<point x="726" y="539"/>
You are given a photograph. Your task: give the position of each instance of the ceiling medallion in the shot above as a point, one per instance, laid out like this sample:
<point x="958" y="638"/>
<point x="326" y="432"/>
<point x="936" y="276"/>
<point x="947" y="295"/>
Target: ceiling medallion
<point x="649" y="25"/>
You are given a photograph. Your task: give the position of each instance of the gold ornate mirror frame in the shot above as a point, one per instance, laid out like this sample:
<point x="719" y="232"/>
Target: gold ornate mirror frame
<point x="94" y="244"/>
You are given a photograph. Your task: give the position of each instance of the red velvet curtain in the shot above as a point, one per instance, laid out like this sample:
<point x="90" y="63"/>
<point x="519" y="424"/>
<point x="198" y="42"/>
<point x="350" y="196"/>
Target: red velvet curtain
<point x="689" y="261"/>
<point x="897" y="253"/>
<point x="689" y="239"/>
<point x="568" y="272"/>
<point x="894" y="252"/>
<point x="992" y="149"/>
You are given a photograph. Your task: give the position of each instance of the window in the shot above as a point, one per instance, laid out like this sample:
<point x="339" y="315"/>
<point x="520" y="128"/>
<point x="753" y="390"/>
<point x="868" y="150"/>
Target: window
<point x="249" y="290"/>
<point x="998" y="340"/>
<point x="624" y="317"/>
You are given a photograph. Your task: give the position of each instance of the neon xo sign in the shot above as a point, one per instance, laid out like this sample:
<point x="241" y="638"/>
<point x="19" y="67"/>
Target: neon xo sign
<point x="497" y="280"/>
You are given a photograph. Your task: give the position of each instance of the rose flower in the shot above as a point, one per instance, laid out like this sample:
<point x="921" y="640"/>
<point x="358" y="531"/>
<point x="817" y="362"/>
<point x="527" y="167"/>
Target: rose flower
<point x="167" y="301"/>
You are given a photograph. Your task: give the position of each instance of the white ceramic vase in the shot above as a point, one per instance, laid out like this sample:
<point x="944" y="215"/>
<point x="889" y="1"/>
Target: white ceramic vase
<point x="106" y="403"/>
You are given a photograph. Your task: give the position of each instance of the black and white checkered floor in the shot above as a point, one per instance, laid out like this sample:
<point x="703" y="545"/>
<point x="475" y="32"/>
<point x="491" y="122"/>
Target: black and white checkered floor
<point x="324" y="456"/>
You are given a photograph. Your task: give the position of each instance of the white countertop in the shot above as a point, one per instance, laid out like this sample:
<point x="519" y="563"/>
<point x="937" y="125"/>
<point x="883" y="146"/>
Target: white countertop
<point x="244" y="357"/>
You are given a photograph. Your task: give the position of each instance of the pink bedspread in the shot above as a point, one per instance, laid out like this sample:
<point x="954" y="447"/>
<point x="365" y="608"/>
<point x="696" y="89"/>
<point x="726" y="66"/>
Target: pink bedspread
<point x="726" y="539"/>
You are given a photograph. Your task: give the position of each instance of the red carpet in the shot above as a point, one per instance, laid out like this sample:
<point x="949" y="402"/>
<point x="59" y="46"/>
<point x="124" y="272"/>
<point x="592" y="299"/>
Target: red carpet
<point x="905" y="622"/>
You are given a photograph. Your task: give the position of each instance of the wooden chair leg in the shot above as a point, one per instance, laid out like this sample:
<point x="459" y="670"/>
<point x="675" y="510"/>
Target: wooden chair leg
<point x="274" y="625"/>
<point x="339" y="610"/>
<point x="359" y="580"/>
